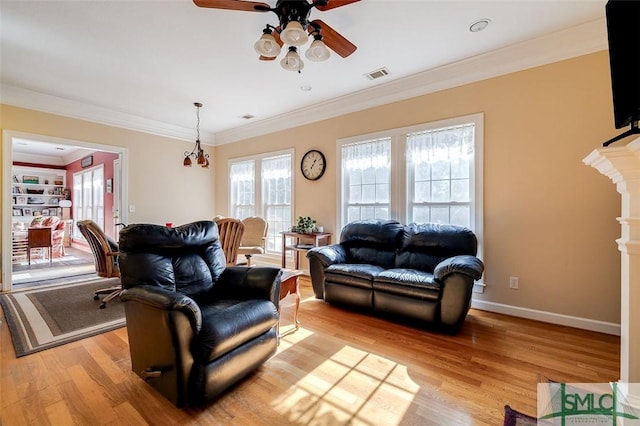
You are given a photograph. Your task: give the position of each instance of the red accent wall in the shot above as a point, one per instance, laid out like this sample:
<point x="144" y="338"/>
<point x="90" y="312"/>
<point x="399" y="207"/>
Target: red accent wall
<point x="105" y="158"/>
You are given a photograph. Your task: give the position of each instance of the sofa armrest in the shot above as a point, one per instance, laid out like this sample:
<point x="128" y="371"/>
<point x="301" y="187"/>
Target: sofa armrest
<point x="321" y="258"/>
<point x="243" y="283"/>
<point x="166" y="300"/>
<point x="328" y="255"/>
<point x="467" y="265"/>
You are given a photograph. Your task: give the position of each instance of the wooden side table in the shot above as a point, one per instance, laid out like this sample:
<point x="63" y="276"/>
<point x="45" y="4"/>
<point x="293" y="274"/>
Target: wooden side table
<point x="301" y="243"/>
<point x="289" y="285"/>
<point x="39" y="238"/>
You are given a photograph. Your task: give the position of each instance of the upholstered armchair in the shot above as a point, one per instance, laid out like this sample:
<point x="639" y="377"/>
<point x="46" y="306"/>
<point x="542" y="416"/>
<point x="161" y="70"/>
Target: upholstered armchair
<point x="57" y="232"/>
<point x="195" y="325"/>
<point x="254" y="238"/>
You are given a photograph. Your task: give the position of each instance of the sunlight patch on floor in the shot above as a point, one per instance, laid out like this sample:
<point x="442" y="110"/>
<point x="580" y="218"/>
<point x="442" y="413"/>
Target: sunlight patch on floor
<point x="351" y="386"/>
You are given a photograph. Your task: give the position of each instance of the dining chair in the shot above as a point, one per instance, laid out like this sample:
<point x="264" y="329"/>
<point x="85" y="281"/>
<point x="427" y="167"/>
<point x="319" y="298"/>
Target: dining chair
<point x="230" y="232"/>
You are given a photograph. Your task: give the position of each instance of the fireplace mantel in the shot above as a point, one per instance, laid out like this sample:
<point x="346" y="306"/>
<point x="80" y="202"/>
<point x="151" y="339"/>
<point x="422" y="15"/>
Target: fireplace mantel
<point x="621" y="164"/>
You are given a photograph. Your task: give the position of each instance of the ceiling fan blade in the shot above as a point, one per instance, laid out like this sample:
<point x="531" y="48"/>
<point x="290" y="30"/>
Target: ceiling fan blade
<point x="249" y="6"/>
<point x="276" y="36"/>
<point x="334" y="40"/>
<point x="332" y="4"/>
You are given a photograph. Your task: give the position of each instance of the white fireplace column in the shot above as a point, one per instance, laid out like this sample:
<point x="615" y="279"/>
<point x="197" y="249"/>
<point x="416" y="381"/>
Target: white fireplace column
<point x="622" y="165"/>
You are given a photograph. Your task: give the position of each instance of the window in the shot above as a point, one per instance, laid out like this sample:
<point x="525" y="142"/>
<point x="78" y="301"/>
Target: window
<point x="262" y="186"/>
<point x="440" y="169"/>
<point x="88" y="197"/>
<point x="426" y="173"/>
<point x="366" y="175"/>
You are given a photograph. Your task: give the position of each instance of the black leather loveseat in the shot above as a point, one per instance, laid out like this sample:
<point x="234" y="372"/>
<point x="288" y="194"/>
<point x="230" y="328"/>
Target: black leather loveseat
<point x="195" y="326"/>
<point x="420" y="272"/>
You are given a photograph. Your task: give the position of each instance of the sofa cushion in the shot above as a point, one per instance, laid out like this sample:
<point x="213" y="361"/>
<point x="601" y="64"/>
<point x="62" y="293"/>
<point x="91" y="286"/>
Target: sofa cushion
<point x="372" y="241"/>
<point x="227" y="324"/>
<point x="53" y="222"/>
<point x="424" y="245"/>
<point x="352" y="274"/>
<point x="408" y="283"/>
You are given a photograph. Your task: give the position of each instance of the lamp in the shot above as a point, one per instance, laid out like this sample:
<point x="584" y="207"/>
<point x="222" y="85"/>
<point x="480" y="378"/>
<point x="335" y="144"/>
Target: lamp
<point x="66" y="209"/>
<point x="292" y="61"/>
<point x="267" y="45"/>
<point x="202" y="158"/>
<point x="318" y="51"/>
<point x="294" y="34"/>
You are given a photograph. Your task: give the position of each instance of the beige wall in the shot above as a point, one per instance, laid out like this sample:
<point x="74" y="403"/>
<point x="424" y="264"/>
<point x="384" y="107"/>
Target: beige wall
<point x="159" y="186"/>
<point x="548" y="219"/>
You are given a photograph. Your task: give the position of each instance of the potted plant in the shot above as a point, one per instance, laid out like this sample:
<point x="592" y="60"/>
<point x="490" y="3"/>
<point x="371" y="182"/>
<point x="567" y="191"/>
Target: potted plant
<point x="305" y="225"/>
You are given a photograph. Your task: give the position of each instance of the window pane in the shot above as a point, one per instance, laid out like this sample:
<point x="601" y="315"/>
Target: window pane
<point x="440" y="214"/>
<point x="368" y="193"/>
<point x="382" y="193"/>
<point x="422" y="192"/>
<point x="460" y="168"/>
<point x="421" y="214"/>
<point x="461" y="215"/>
<point x="440" y="170"/>
<point x="460" y="190"/>
<point x="381" y="213"/>
<point x="440" y="191"/>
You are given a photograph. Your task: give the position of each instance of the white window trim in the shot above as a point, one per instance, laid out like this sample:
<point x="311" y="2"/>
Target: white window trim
<point x="398" y="169"/>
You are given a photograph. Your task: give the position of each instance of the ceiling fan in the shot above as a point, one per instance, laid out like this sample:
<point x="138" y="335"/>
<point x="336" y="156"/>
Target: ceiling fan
<point x="293" y="30"/>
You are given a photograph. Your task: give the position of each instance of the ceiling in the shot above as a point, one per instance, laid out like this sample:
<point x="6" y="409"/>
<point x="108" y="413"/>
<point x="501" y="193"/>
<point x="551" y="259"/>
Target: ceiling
<point x="142" y="64"/>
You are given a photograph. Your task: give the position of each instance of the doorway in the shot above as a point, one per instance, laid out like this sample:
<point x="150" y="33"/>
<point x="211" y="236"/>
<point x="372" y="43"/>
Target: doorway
<point x="74" y="151"/>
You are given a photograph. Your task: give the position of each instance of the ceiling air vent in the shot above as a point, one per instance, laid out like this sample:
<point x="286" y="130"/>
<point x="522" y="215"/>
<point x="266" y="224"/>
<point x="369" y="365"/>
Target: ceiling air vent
<point x="382" y="72"/>
<point x="247" y="116"/>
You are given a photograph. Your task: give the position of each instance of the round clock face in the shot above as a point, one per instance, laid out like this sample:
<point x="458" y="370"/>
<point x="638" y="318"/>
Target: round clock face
<point x="313" y="165"/>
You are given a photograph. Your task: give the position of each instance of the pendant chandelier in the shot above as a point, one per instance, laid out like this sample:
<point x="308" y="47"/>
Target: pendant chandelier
<point x="198" y="154"/>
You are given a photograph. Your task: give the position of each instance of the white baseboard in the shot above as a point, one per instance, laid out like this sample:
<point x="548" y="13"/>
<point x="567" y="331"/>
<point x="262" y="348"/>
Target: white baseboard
<point x="550" y="317"/>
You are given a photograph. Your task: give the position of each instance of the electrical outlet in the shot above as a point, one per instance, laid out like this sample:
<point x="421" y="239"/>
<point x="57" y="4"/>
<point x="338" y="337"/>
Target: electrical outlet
<point x="132" y="208"/>
<point x="513" y="282"/>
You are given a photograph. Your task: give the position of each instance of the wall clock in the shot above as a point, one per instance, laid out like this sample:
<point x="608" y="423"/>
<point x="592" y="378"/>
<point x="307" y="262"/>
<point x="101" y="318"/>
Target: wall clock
<point x="313" y="165"/>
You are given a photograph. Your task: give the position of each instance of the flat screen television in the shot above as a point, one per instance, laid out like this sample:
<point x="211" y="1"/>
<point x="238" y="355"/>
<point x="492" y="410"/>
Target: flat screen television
<point x="623" y="29"/>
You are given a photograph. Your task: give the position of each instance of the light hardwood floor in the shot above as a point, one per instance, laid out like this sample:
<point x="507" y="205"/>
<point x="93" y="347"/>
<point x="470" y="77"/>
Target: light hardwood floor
<point x="340" y="367"/>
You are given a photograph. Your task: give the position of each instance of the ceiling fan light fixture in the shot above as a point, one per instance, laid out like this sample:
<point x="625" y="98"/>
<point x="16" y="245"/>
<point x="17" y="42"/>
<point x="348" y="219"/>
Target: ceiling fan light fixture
<point x="294" y="34"/>
<point x="292" y="61"/>
<point x="317" y="51"/>
<point x="267" y="45"/>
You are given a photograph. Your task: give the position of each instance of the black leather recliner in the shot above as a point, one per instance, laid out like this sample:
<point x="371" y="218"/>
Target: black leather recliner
<point x="195" y="326"/>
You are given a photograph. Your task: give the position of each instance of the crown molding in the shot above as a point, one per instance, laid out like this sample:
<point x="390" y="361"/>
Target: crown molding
<point x="571" y="42"/>
<point x="575" y="41"/>
<point x="29" y="99"/>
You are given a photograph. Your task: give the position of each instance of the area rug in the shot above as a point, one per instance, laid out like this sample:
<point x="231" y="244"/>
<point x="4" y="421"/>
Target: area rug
<point x="44" y="318"/>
